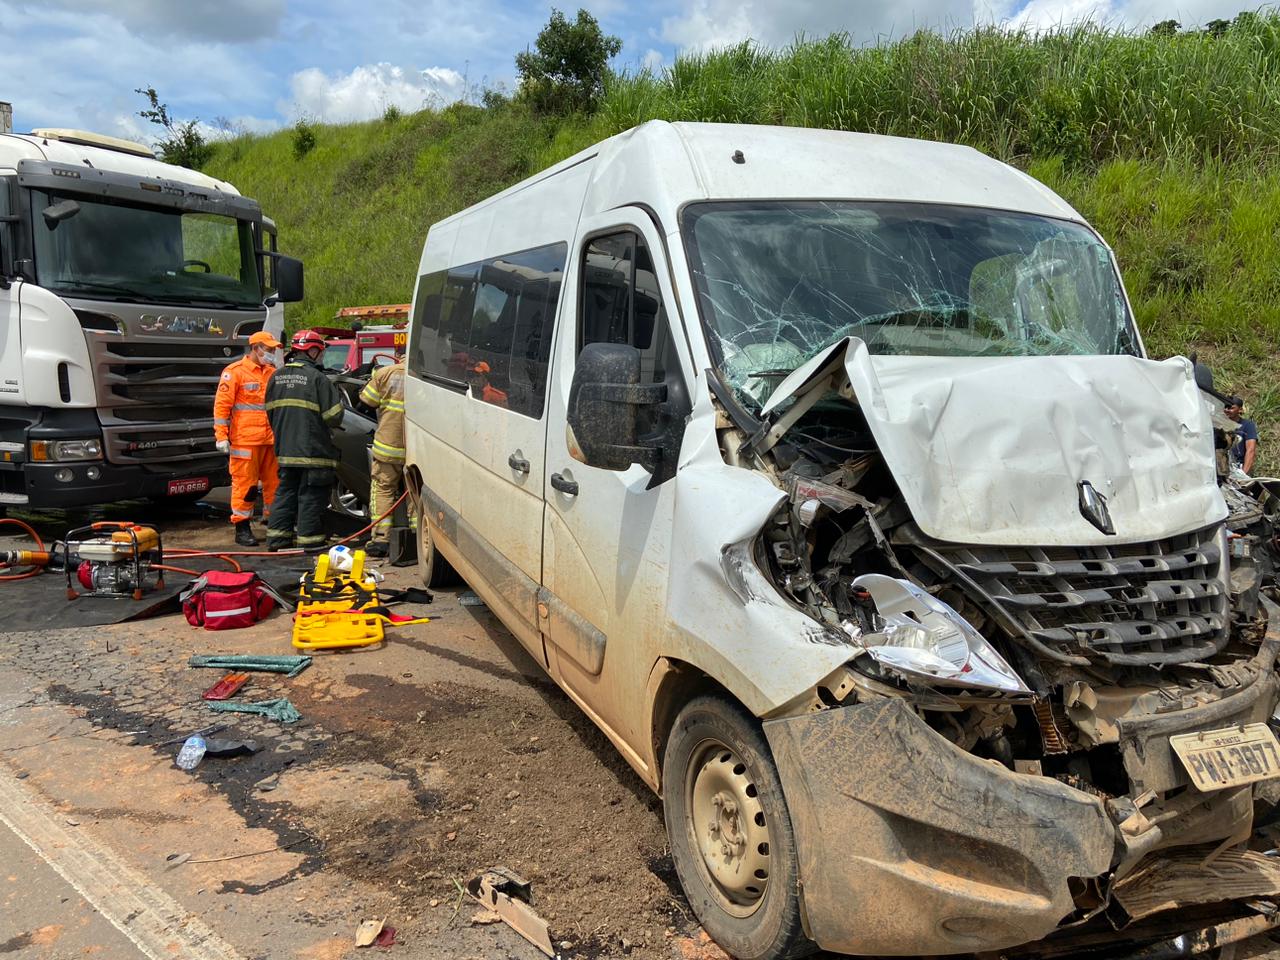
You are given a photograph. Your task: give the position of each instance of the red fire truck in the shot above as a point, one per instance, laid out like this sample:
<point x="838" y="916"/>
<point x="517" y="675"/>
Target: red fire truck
<point x="365" y="337"/>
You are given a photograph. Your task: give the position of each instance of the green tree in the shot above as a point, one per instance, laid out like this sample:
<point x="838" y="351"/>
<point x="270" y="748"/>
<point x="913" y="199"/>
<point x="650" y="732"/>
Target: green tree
<point x="567" y="70"/>
<point x="182" y="143"/>
<point x="1166" y="28"/>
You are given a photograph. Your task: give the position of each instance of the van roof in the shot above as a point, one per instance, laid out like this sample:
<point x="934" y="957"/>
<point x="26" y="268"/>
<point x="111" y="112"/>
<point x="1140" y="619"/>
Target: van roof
<point x="665" y="165"/>
<point x="22" y="146"/>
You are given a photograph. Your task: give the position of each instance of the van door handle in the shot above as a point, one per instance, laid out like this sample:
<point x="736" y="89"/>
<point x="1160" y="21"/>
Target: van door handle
<point x="565" y="486"/>
<point x="518" y="464"/>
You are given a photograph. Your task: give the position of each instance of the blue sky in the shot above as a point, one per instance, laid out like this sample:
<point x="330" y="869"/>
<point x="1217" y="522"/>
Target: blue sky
<point x="260" y="64"/>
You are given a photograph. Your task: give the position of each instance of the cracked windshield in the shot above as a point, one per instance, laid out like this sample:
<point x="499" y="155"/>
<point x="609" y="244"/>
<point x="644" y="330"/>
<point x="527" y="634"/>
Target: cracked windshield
<point x="114" y="251"/>
<point x="778" y="282"/>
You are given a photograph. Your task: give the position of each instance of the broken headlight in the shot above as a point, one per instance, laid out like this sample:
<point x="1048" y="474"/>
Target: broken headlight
<point x="920" y="637"/>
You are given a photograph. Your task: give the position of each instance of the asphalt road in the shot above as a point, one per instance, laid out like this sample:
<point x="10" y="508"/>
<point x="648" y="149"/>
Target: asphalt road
<point x="43" y="917"/>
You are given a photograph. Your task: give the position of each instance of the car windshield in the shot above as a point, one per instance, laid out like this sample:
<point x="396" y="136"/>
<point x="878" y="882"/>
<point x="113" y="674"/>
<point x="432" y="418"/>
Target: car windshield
<point x="110" y="250"/>
<point x="778" y="282"/>
<point x="335" y="356"/>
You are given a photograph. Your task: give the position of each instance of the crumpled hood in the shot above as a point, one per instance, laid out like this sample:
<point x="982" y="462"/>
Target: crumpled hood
<point x="992" y="450"/>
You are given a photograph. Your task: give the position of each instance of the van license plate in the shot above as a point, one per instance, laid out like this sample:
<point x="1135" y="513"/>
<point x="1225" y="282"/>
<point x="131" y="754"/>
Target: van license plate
<point x="1217" y="759"/>
<point x="188" y="485"/>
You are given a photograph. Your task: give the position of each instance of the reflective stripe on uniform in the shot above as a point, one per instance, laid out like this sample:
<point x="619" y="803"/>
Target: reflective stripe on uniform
<point x="370" y="396"/>
<point x="306" y="462"/>
<point x="335" y="409"/>
<point x="396" y="405"/>
<point x="292" y="402"/>
<point x="387" y="450"/>
<point x="241" y="453"/>
<point x="278" y="534"/>
<point x="241" y="513"/>
<point x="311" y="541"/>
<point x="248" y="406"/>
<point x="220" y="422"/>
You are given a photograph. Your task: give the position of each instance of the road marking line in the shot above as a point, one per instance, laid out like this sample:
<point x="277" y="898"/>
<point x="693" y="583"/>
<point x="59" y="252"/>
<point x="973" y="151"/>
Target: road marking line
<point x="156" y="923"/>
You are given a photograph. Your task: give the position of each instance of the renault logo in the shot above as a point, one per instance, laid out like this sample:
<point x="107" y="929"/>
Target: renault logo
<point x="1093" y="507"/>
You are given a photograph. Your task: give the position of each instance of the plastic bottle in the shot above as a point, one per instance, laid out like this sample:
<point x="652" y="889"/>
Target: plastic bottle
<point x="192" y="753"/>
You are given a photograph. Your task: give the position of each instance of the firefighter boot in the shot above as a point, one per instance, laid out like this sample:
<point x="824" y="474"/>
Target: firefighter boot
<point x="244" y="535"/>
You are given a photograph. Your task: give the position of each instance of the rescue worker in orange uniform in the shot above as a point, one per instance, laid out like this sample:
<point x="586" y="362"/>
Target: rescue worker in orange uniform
<point x="242" y="432"/>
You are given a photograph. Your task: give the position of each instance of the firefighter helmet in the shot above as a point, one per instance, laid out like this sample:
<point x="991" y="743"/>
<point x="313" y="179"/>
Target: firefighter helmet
<point x="306" y="340"/>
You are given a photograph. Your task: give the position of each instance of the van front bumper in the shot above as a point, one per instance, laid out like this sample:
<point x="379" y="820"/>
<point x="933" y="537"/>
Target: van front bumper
<point x="909" y="845"/>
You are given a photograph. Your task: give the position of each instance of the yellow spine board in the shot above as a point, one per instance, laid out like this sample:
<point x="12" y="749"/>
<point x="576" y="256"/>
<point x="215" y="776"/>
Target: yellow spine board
<point x="335" y="622"/>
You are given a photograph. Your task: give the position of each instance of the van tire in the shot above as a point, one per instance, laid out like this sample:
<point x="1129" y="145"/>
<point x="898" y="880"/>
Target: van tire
<point x="433" y="569"/>
<point x="716" y="752"/>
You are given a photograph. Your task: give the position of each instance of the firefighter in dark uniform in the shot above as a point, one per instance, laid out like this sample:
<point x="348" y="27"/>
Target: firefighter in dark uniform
<point x="302" y="405"/>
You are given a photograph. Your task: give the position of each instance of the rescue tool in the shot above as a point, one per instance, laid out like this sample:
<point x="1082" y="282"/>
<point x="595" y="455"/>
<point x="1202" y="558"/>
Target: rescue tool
<point x="115" y="559"/>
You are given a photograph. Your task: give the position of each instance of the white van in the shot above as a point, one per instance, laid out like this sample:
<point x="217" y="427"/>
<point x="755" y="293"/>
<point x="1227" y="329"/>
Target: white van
<point x="827" y="474"/>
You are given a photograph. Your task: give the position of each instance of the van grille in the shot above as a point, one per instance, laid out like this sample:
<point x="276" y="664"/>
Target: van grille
<point x="1146" y="603"/>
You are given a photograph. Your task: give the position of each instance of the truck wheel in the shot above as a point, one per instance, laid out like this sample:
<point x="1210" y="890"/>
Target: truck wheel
<point x="433" y="569"/>
<point x="730" y="833"/>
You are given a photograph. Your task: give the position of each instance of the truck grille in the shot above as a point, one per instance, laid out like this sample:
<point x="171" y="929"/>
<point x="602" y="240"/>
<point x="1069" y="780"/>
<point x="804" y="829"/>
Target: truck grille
<point x="155" y="398"/>
<point x="1147" y="603"/>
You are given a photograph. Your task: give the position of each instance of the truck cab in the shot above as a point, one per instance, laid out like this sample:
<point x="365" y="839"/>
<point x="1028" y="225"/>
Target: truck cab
<point x="126" y="285"/>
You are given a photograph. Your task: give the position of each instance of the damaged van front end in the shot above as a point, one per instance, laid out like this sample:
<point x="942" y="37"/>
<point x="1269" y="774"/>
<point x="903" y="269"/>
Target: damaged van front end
<point x="1051" y="724"/>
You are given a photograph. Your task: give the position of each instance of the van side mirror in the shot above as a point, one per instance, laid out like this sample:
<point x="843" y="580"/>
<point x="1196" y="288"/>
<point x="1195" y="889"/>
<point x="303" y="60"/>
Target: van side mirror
<point x="288" y="279"/>
<point x="603" y="399"/>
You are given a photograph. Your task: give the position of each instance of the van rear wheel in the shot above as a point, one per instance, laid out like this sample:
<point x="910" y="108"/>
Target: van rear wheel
<point x="730" y="833"/>
<point x="433" y="569"/>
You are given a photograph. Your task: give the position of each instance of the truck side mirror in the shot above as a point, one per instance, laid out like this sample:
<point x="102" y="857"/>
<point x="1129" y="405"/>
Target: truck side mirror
<point x="55" y="213"/>
<point x="603" y="398"/>
<point x="288" y="279"/>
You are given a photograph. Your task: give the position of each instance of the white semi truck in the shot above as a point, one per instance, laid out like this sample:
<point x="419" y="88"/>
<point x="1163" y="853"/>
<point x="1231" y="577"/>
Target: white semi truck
<point x="126" y="285"/>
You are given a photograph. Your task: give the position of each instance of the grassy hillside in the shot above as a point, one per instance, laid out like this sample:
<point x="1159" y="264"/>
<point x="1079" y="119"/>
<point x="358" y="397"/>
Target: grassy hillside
<point x="1170" y="146"/>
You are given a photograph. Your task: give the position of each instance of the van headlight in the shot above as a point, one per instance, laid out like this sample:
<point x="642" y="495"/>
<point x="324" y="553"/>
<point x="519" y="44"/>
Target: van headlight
<point x="59" y="451"/>
<point x="921" y="637"/>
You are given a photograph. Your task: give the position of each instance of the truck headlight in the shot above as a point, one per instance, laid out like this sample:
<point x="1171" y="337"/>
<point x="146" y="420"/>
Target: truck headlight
<point x="923" y="637"/>
<point x="58" y="451"/>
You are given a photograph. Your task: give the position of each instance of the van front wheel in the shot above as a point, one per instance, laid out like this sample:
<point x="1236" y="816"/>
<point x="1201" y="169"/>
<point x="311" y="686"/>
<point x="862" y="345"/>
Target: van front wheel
<point x="730" y="833"/>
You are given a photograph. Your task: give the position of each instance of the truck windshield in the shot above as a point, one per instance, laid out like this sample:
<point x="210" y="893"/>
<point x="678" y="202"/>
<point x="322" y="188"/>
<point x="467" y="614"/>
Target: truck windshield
<point x="779" y="281"/>
<point x="113" y="250"/>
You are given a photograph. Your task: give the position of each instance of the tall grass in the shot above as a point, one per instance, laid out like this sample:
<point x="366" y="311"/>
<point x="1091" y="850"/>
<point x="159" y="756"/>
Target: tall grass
<point x="1170" y="146"/>
<point x="1085" y="93"/>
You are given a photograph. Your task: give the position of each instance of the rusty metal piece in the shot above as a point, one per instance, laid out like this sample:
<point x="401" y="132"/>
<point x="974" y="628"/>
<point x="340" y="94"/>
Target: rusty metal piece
<point x="507" y="894"/>
<point x="1051" y="731"/>
<point x="1176" y="879"/>
<point x="1198" y="942"/>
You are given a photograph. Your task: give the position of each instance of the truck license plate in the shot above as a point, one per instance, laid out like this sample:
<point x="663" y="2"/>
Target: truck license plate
<point x="1217" y="759"/>
<point x="188" y="485"/>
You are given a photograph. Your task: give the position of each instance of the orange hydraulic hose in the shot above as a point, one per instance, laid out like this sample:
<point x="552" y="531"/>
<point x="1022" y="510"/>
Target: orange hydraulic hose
<point x="165" y="566"/>
<point x="27" y="529"/>
<point x="191" y="554"/>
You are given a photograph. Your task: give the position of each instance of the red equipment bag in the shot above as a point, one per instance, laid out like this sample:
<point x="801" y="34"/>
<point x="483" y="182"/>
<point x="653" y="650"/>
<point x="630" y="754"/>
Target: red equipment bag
<point x="221" y="600"/>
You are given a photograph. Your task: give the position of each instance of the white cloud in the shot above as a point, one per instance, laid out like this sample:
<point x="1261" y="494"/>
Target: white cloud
<point x="368" y="90"/>
<point x="205" y="21"/>
<point x="653" y="60"/>
<point x="706" y="24"/>
<point x="1120" y="14"/>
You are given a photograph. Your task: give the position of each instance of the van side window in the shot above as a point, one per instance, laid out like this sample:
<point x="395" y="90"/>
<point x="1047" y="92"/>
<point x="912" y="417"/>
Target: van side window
<point x="622" y="303"/>
<point x="489" y="326"/>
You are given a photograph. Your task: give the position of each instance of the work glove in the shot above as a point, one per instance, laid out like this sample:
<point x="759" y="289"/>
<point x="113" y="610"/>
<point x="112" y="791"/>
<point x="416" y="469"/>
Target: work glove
<point x="224" y="446"/>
